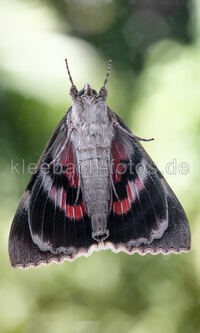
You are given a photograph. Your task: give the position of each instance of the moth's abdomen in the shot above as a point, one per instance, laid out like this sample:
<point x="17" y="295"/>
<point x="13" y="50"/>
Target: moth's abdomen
<point x="94" y="173"/>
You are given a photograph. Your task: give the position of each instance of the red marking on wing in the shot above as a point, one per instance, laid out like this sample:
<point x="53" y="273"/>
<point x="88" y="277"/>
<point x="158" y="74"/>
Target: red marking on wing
<point x="117" y="208"/>
<point x="75" y="212"/>
<point x="78" y="212"/>
<point x="67" y="155"/>
<point x="67" y="160"/>
<point x="70" y="211"/>
<point x="123" y="206"/>
<point x="118" y="155"/>
<point x="118" y="151"/>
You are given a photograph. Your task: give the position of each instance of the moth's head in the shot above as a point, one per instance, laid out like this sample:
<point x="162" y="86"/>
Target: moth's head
<point x="87" y="92"/>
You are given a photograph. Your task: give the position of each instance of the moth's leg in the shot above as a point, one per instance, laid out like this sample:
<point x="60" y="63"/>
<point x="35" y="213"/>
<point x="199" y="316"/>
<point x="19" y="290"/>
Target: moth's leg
<point x="113" y="186"/>
<point x="116" y="124"/>
<point x="111" y="200"/>
<point x="79" y="188"/>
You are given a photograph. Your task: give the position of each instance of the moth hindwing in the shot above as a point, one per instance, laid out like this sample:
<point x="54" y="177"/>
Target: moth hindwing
<point x="95" y="188"/>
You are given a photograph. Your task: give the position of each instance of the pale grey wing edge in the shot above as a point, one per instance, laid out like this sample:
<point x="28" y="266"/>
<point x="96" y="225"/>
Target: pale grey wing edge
<point x="177" y="237"/>
<point x="23" y="252"/>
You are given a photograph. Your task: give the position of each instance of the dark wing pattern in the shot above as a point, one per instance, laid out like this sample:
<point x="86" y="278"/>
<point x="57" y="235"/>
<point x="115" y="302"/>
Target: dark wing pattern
<point x="50" y="224"/>
<point x="146" y="216"/>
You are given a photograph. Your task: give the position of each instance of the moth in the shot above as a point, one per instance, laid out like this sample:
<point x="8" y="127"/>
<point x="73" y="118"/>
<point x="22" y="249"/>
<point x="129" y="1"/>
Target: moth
<point x="94" y="188"/>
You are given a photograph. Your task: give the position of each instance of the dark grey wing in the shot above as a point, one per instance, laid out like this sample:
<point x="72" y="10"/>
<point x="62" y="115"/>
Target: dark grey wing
<point x="146" y="216"/>
<point x="176" y="238"/>
<point x="49" y="225"/>
<point x="23" y="251"/>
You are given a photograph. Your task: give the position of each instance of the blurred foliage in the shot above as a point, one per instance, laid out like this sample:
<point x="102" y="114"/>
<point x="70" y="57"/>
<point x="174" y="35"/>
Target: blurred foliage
<point x="154" y="87"/>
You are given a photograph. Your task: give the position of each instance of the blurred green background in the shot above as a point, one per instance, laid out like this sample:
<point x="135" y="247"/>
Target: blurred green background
<point x="154" y="86"/>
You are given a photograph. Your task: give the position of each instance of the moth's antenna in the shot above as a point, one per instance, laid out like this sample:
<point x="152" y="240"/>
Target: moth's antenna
<point x="108" y="72"/>
<point x="69" y="74"/>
